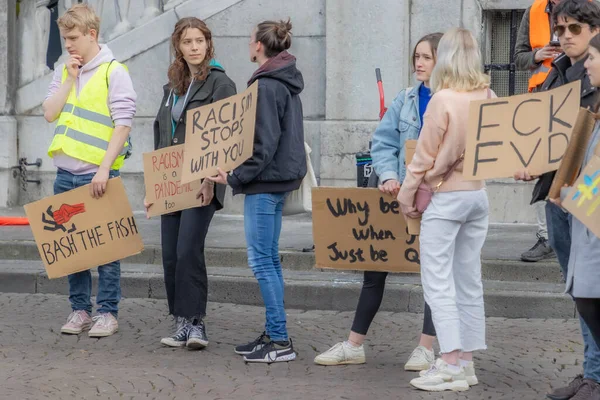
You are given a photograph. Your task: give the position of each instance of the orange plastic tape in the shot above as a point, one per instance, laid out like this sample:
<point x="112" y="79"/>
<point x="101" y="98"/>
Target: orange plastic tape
<point x="6" y="221"/>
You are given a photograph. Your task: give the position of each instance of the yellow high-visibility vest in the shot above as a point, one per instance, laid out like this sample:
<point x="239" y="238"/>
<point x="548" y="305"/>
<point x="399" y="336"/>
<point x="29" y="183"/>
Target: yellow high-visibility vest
<point x="85" y="126"/>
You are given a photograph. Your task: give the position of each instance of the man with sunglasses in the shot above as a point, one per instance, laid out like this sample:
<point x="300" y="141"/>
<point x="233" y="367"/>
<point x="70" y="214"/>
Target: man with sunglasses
<point x="575" y="22"/>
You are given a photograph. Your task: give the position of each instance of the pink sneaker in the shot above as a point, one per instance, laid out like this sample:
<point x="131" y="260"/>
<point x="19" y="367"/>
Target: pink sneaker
<point x="105" y="325"/>
<point x="77" y="322"/>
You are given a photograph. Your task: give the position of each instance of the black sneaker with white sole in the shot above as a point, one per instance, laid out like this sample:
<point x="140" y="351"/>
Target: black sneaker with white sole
<point x="256" y="344"/>
<point x="197" y="338"/>
<point x="272" y="352"/>
<point x="179" y="338"/>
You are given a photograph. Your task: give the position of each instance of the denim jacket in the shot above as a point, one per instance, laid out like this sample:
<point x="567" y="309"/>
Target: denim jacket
<point x="400" y="123"/>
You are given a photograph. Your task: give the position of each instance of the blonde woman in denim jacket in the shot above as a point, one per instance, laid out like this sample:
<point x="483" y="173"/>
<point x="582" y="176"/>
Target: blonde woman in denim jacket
<point x="401" y="122"/>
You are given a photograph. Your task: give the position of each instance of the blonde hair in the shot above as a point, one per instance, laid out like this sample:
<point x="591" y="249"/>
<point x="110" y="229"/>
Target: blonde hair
<point x="458" y="65"/>
<point x="80" y="16"/>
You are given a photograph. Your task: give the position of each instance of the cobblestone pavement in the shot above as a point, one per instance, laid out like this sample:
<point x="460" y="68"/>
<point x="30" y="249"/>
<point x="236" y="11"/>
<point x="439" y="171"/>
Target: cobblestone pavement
<point x="525" y="357"/>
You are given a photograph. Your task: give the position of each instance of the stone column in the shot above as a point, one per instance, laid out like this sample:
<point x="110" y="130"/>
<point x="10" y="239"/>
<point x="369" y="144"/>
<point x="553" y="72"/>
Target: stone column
<point x="361" y="35"/>
<point x="8" y="124"/>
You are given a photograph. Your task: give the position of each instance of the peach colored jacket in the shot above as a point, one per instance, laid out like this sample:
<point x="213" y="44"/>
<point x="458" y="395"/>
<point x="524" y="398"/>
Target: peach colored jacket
<point x="441" y="142"/>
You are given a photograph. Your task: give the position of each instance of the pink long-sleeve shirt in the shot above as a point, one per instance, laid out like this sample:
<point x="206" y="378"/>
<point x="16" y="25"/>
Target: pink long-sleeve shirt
<point x="441" y="142"/>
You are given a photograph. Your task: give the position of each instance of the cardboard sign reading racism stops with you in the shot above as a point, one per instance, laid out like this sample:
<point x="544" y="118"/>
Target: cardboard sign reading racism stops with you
<point x="219" y="135"/>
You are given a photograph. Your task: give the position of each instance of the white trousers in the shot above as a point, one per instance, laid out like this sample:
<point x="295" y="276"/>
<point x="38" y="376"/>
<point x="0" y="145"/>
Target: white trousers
<point x="453" y="230"/>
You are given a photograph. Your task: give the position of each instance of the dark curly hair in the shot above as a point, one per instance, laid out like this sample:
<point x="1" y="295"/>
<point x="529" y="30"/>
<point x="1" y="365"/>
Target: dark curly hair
<point x="179" y="72"/>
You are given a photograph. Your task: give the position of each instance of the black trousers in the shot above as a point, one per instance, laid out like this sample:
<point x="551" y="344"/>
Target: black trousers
<point x="183" y="234"/>
<point x="370" y="300"/>
<point x="589" y="309"/>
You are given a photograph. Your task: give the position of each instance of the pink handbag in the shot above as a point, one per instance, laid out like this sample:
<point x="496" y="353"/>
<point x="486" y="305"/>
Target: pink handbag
<point x="424" y="191"/>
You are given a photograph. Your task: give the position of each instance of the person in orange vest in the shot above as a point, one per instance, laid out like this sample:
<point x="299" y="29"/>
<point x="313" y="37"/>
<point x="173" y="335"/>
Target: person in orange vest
<point x="537" y="46"/>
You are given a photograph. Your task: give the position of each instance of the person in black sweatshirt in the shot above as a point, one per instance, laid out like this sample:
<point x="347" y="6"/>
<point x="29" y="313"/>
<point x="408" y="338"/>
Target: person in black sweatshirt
<point x="277" y="167"/>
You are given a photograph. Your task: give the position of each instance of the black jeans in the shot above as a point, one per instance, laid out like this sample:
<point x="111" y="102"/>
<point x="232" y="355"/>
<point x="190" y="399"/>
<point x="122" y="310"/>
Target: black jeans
<point x="589" y="309"/>
<point x="370" y="300"/>
<point x="182" y="235"/>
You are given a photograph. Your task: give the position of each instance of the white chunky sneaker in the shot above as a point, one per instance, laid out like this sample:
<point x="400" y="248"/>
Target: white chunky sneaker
<point x="420" y="359"/>
<point x="440" y="377"/>
<point x="342" y="354"/>
<point x="469" y="374"/>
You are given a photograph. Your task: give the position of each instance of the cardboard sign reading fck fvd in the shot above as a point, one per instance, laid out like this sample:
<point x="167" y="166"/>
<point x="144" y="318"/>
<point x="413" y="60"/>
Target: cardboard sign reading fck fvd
<point x="530" y="131"/>
<point x="219" y="135"/>
<point x="361" y="229"/>
<point x="75" y="232"/>
<point x="162" y="177"/>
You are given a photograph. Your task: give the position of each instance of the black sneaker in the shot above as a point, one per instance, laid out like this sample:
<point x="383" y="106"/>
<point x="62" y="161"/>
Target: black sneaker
<point x="566" y="392"/>
<point x="539" y="251"/>
<point x="197" y="338"/>
<point x="253" y="346"/>
<point x="272" y="352"/>
<point x="179" y="338"/>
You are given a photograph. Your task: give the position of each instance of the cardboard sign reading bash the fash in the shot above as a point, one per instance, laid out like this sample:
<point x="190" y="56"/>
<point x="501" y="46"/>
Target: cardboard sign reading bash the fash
<point x="361" y="229"/>
<point x="529" y="131"/>
<point x="75" y="232"/>
<point x="162" y="178"/>
<point x="583" y="200"/>
<point x="220" y="135"/>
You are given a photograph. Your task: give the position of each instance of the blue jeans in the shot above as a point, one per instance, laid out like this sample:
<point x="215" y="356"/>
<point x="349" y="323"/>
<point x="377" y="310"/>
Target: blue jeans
<point x="262" y="224"/>
<point x="80" y="283"/>
<point x="559" y="236"/>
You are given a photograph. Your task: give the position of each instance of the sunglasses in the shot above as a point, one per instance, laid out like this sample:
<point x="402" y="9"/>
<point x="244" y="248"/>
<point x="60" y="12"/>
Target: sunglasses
<point x="575" y="29"/>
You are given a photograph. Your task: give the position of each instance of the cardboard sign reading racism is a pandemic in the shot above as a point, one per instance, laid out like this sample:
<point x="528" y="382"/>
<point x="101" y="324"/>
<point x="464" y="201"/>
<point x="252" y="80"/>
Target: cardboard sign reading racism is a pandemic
<point x="219" y="135"/>
<point x="529" y="131"/>
<point x="162" y="177"/>
<point x="583" y="200"/>
<point x="75" y="232"/>
<point x="361" y="229"/>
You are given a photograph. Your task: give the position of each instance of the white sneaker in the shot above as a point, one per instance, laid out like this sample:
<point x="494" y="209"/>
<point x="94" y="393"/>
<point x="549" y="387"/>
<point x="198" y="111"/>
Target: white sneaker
<point x="342" y="354"/>
<point x="469" y="374"/>
<point x="440" y="377"/>
<point x="420" y="359"/>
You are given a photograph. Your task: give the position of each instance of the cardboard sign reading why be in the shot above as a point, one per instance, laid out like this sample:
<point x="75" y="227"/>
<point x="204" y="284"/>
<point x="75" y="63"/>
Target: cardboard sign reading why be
<point x="162" y="177"/>
<point x="529" y="131"/>
<point x="220" y="135"/>
<point x="361" y="229"/>
<point x="75" y="232"/>
<point x="583" y="200"/>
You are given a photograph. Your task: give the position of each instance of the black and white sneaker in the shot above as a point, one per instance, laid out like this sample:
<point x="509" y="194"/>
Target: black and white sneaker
<point x="197" y="338"/>
<point x="179" y="338"/>
<point x="272" y="352"/>
<point x="256" y="344"/>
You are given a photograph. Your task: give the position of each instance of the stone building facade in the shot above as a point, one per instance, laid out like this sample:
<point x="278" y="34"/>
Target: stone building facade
<point x="338" y="43"/>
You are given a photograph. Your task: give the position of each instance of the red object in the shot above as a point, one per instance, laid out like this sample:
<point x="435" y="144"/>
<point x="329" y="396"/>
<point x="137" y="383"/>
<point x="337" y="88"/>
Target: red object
<point x="66" y="212"/>
<point x="8" y="221"/>
<point x="382" y="107"/>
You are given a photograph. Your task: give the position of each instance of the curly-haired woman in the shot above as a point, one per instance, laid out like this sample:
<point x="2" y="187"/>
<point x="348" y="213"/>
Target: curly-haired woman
<point x="195" y="80"/>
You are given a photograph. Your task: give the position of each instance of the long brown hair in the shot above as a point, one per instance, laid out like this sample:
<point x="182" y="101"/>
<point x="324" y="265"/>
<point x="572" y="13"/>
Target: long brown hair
<point x="179" y="72"/>
<point x="275" y="36"/>
<point x="433" y="39"/>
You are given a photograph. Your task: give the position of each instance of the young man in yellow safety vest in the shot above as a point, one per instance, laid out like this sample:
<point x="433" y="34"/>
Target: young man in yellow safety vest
<point x="93" y="99"/>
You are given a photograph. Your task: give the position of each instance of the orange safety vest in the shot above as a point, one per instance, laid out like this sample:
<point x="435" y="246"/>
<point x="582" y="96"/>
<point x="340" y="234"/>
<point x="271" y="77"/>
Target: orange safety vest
<point x="539" y="36"/>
